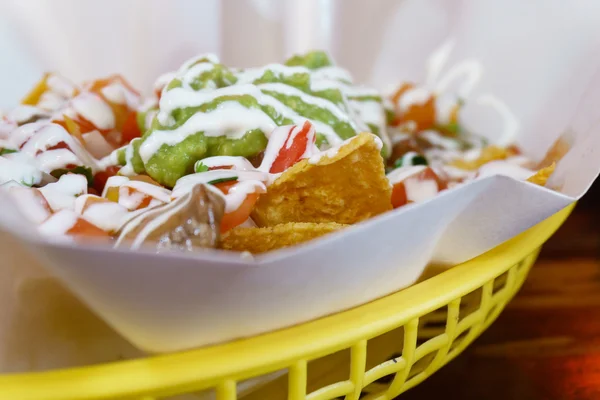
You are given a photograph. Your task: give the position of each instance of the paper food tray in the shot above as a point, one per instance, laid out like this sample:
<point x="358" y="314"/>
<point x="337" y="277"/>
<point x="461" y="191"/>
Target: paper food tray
<point x="539" y="58"/>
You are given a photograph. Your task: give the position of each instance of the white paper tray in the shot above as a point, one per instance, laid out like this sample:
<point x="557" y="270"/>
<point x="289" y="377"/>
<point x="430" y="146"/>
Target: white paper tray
<point x="540" y="58"/>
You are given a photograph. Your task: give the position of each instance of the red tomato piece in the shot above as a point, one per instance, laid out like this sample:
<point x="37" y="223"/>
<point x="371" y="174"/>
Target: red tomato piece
<point x="130" y="198"/>
<point x="131" y="130"/>
<point x="239" y="216"/>
<point x="399" y="198"/>
<point x="84" y="228"/>
<point x="120" y="111"/>
<point x="399" y="195"/>
<point x="60" y="145"/>
<point x="225" y="186"/>
<point x="291" y="153"/>
<point x="423" y="115"/>
<point x="145" y="200"/>
<point x="101" y="177"/>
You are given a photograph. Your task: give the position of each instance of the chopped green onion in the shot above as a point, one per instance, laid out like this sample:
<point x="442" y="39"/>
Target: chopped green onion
<point x="200" y="167"/>
<point x="410" y="159"/>
<point x="419" y="160"/>
<point x="215" y="181"/>
<point x="7" y="151"/>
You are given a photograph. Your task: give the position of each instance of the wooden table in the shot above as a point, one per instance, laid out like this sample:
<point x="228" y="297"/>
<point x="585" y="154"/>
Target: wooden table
<point x="546" y="344"/>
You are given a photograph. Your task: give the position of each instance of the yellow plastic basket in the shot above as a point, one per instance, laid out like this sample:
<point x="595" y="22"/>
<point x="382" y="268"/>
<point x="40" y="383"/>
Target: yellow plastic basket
<point x="378" y="350"/>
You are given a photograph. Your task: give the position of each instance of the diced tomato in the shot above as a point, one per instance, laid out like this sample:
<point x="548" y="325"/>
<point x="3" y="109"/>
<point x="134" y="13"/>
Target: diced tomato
<point x="60" y="122"/>
<point x="77" y="126"/>
<point x="101" y="177"/>
<point x="120" y="111"/>
<point x="239" y="216"/>
<point x="84" y="125"/>
<point x="399" y="198"/>
<point x="429" y="173"/>
<point x="399" y="195"/>
<point x="423" y="115"/>
<point x="125" y="193"/>
<point x="291" y="153"/>
<point x="225" y="186"/>
<point x="131" y="129"/>
<point x="84" y="228"/>
<point x="60" y="145"/>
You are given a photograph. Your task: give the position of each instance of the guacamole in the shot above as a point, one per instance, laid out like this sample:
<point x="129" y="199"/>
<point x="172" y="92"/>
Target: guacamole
<point x="209" y="109"/>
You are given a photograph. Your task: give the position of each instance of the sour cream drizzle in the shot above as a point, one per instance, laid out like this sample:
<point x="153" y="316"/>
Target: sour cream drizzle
<point x="417" y="189"/>
<point x="232" y="119"/>
<point x="117" y="93"/>
<point x="93" y="108"/>
<point x="108" y="216"/>
<point x="237" y="163"/>
<point x="59" y="223"/>
<point x="35" y="140"/>
<point x="248" y="182"/>
<point x="157" y="218"/>
<point x="62" y="194"/>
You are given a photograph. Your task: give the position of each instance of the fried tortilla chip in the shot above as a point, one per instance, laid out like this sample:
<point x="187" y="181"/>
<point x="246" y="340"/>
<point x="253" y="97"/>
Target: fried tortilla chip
<point x="542" y="176"/>
<point x="558" y="150"/>
<point x="260" y="240"/>
<point x="489" y="153"/>
<point x="344" y="187"/>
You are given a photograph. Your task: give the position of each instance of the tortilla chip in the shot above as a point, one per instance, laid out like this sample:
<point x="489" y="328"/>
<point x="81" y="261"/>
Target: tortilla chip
<point x="260" y="240"/>
<point x="558" y="150"/>
<point x="489" y="153"/>
<point x="542" y="176"/>
<point x="346" y="187"/>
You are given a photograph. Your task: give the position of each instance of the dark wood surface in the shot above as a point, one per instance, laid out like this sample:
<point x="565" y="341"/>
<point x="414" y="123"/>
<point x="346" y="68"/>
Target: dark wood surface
<point x="546" y="344"/>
